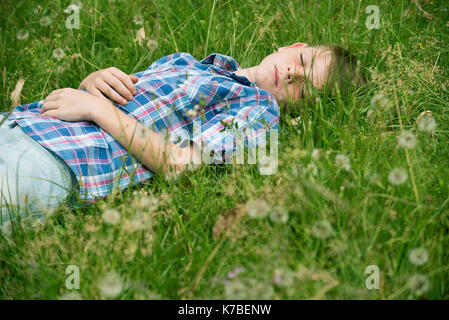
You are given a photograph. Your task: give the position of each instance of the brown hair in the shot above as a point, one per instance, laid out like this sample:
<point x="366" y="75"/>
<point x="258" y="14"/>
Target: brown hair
<point x="346" y="74"/>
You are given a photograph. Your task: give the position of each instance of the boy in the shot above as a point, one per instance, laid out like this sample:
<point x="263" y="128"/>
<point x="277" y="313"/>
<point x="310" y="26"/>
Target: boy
<point x="119" y="129"/>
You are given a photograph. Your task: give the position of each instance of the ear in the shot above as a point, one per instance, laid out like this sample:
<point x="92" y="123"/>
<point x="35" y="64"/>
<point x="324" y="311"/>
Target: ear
<point x="295" y="45"/>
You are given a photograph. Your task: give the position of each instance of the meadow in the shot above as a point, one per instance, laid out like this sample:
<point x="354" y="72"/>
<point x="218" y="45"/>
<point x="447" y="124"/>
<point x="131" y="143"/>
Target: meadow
<point x="362" y="186"/>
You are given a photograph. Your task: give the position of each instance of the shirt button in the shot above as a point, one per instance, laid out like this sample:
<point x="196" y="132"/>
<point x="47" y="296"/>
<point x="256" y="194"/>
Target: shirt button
<point x="215" y="82"/>
<point x="173" y="68"/>
<point x="212" y="71"/>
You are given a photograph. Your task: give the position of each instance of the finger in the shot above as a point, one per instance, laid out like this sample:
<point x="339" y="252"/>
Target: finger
<point x="108" y="91"/>
<point x="49" y="105"/>
<point x="54" y="94"/>
<point x="125" y="79"/>
<point x="133" y="78"/>
<point x="97" y="93"/>
<point x="50" y="113"/>
<point x="119" y="87"/>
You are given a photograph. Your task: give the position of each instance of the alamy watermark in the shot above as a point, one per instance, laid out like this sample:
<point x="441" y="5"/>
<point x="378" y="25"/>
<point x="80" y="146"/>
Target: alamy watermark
<point x="373" y="20"/>
<point x="373" y="280"/>
<point x="73" y="280"/>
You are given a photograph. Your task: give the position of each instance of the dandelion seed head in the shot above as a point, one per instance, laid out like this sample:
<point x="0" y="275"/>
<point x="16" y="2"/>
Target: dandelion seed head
<point x="418" y="256"/>
<point x="419" y="284"/>
<point x="279" y="214"/>
<point x="23" y="34"/>
<point x="45" y="21"/>
<point x="110" y="285"/>
<point x="397" y="176"/>
<point x="258" y="208"/>
<point x="427" y="124"/>
<point x="149" y="203"/>
<point x="322" y="229"/>
<point x="111" y="216"/>
<point x="343" y="162"/>
<point x="7" y="228"/>
<point x="63" y="67"/>
<point x="138" y="19"/>
<point x="379" y="102"/>
<point x="407" y="140"/>
<point x="58" y="53"/>
<point x="152" y="44"/>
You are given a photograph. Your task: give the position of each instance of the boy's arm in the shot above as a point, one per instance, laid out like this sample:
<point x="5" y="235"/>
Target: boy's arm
<point x="144" y="144"/>
<point x="112" y="83"/>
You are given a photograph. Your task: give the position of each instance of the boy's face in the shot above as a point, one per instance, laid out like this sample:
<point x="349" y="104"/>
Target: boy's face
<point x="285" y="72"/>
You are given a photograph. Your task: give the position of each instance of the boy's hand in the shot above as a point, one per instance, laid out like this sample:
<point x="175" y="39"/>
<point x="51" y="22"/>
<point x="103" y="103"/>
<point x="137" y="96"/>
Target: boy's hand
<point x="72" y="105"/>
<point x="110" y="81"/>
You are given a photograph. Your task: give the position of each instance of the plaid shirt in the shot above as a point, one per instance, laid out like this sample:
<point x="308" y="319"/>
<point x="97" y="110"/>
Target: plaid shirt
<point x="165" y="92"/>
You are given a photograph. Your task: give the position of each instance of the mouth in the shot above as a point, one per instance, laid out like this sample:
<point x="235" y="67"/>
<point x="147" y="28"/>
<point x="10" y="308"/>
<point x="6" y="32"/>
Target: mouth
<point x="276" y="76"/>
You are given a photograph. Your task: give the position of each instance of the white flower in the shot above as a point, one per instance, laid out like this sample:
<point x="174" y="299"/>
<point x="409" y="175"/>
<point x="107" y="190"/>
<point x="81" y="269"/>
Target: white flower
<point x="7" y="228"/>
<point x="379" y="102"/>
<point x="343" y="161"/>
<point x="23" y="34"/>
<point x="138" y="19"/>
<point x="111" y="216"/>
<point x="110" y="285"/>
<point x="152" y="44"/>
<point x="407" y="140"/>
<point x="316" y="154"/>
<point x="196" y="107"/>
<point x="419" y="284"/>
<point x="279" y="214"/>
<point x="58" y="53"/>
<point x="45" y="21"/>
<point x="418" y="256"/>
<point x="70" y="295"/>
<point x="322" y="229"/>
<point x="257" y="208"/>
<point x="397" y="176"/>
<point x="427" y="124"/>
<point x="191" y="113"/>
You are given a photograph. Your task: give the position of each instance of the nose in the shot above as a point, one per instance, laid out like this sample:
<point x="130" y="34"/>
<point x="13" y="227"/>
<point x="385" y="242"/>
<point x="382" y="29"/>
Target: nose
<point x="294" y="72"/>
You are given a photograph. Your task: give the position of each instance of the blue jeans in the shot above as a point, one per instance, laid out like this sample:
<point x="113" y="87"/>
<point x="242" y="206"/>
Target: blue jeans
<point x="33" y="179"/>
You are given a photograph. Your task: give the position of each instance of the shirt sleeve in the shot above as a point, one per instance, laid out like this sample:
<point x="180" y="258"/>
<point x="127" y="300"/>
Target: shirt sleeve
<point x="238" y="128"/>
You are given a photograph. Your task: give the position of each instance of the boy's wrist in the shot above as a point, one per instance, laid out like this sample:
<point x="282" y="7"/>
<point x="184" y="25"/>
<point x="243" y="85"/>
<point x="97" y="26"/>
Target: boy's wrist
<point x="103" y="107"/>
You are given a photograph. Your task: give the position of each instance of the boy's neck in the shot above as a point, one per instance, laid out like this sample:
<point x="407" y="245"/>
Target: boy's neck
<point x="249" y="73"/>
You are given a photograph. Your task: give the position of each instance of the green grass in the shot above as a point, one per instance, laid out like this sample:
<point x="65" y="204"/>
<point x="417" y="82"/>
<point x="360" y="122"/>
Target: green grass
<point x="177" y="256"/>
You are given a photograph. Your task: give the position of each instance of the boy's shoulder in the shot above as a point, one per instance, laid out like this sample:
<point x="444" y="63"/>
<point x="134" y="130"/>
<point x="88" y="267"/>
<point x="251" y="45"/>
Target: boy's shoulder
<point x="183" y="59"/>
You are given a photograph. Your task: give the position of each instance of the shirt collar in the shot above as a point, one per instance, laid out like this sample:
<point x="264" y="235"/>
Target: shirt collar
<point x="227" y="66"/>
